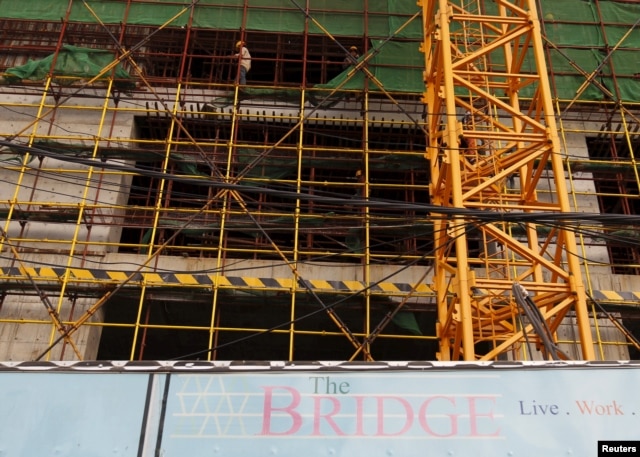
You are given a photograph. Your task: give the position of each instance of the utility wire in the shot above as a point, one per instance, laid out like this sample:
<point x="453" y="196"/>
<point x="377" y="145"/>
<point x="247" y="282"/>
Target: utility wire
<point x="537" y="321"/>
<point x="299" y="319"/>
<point x="476" y="214"/>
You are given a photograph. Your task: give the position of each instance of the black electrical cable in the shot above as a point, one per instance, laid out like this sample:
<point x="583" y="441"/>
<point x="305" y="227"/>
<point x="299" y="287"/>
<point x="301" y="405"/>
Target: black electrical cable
<point x="532" y="217"/>
<point x="537" y="321"/>
<point x="480" y="215"/>
<point x="299" y="319"/>
<point x="592" y="233"/>
<point x="607" y="220"/>
<point x="333" y="305"/>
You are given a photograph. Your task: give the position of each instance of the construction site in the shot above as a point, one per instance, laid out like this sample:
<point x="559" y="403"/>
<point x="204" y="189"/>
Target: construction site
<point x="441" y="180"/>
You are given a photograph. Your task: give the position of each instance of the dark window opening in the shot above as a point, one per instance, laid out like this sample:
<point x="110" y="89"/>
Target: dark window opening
<point x="177" y="325"/>
<point x="173" y="324"/>
<point x="616" y="185"/>
<point x="332" y="173"/>
<point x="276" y="58"/>
<point x="187" y="55"/>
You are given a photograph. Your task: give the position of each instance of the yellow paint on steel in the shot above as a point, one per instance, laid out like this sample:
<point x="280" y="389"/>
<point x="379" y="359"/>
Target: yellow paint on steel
<point x="186" y="279"/>
<point x="480" y="138"/>
<point x="117" y="275"/>
<point x="79" y="273"/>
<point x="84" y="277"/>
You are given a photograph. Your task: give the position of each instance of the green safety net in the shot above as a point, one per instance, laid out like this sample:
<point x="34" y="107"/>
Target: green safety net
<point x="392" y="66"/>
<point x="71" y="63"/>
<point x="337" y="16"/>
<point x="583" y="45"/>
<point x="582" y="33"/>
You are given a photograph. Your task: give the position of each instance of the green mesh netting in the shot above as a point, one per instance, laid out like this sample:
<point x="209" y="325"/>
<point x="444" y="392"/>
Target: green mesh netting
<point x="337" y="16"/>
<point x="390" y="66"/>
<point x="581" y="28"/>
<point x="71" y="63"/>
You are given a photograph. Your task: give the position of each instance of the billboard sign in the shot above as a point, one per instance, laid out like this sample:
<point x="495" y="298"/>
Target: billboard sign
<point x="341" y="410"/>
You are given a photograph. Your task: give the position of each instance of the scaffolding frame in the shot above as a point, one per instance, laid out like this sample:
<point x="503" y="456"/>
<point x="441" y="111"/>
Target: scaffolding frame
<point x="155" y="220"/>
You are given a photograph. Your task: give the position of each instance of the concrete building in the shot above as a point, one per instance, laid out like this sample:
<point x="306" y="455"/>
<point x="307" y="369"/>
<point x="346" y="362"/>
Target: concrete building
<point x="152" y="208"/>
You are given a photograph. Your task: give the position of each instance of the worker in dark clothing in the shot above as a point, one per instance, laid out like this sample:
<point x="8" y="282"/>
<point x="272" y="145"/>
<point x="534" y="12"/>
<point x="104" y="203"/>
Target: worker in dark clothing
<point x="353" y="56"/>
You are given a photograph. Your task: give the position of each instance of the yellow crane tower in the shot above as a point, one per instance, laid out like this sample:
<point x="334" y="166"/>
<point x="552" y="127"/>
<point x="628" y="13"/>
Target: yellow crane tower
<point x="501" y="279"/>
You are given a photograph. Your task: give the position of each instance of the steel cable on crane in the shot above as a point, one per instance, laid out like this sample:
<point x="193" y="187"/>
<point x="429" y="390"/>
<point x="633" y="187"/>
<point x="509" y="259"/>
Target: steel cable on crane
<point x="537" y="321"/>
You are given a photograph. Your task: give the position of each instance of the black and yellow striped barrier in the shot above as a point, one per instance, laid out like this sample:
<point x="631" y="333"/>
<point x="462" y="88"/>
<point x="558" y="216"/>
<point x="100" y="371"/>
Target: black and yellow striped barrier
<point x="78" y="276"/>
<point x="84" y="276"/>
<point x="610" y="296"/>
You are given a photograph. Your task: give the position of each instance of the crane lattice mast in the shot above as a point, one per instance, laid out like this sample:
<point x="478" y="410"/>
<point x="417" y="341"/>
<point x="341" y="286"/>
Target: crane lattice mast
<point x="493" y="147"/>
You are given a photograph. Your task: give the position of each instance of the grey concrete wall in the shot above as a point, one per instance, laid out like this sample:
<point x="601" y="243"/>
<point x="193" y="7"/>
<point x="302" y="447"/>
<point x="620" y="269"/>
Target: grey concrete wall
<point x="29" y="327"/>
<point x="52" y="184"/>
<point x="32" y="333"/>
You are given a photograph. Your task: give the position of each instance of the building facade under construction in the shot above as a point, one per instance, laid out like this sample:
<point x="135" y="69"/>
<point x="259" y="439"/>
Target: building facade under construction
<point x="441" y="180"/>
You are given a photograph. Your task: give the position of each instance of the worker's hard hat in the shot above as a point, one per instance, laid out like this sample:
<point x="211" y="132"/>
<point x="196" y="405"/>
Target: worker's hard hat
<point x="353" y="48"/>
<point x="238" y="44"/>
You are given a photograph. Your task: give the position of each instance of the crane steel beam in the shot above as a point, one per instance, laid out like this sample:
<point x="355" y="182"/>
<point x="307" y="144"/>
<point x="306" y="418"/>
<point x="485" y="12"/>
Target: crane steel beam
<point x="493" y="145"/>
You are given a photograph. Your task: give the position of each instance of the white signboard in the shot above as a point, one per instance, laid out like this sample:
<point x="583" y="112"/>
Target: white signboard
<point x="457" y="411"/>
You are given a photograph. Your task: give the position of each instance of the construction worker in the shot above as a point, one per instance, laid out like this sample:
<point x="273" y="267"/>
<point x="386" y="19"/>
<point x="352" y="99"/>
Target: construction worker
<point x="245" y="60"/>
<point x="353" y="56"/>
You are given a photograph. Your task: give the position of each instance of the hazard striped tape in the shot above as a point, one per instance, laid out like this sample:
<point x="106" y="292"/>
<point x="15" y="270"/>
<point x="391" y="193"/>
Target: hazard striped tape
<point x="611" y="296"/>
<point x="80" y="276"/>
<point x="158" y="279"/>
